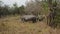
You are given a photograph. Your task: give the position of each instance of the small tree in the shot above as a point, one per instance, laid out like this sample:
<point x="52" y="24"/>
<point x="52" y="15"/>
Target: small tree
<point x="34" y="7"/>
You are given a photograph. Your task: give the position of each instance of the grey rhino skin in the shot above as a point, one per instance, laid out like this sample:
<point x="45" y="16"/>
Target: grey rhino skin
<point x="29" y="18"/>
<point x="32" y="18"/>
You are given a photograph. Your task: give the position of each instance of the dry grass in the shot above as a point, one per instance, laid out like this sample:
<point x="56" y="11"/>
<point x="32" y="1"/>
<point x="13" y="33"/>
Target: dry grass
<point x="13" y="25"/>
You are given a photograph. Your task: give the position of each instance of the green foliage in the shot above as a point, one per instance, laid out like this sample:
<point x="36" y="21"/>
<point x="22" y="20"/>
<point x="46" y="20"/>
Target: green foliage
<point x="55" y="6"/>
<point x="6" y="10"/>
<point x="45" y="7"/>
<point x="57" y="18"/>
<point x="22" y="10"/>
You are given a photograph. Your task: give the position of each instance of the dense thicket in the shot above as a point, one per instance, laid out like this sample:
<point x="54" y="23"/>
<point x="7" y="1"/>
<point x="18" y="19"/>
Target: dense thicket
<point x="54" y="6"/>
<point x="6" y="10"/>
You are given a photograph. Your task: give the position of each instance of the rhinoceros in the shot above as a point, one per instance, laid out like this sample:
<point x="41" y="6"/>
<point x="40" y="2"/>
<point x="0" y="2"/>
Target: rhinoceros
<point x="26" y="18"/>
